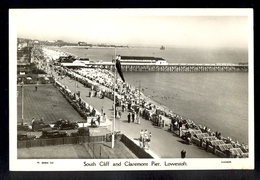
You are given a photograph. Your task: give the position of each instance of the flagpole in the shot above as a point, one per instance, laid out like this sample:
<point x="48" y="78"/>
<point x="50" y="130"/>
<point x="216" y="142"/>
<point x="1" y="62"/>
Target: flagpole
<point x="113" y="132"/>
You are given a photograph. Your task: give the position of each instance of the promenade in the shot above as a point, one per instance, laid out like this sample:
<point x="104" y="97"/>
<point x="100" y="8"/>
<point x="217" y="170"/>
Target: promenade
<point x="164" y="144"/>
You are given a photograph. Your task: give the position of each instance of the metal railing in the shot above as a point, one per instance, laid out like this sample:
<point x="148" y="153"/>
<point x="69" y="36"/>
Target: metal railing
<point x="60" y="141"/>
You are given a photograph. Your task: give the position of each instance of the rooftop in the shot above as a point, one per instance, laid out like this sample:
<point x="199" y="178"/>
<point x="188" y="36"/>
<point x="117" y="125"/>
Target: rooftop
<point x="141" y="58"/>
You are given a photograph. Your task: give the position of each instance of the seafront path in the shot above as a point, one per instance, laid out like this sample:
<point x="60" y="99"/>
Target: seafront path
<point x="164" y="144"/>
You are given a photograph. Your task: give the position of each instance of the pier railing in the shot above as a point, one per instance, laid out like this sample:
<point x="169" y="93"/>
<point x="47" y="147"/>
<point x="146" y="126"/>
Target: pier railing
<point x="173" y="67"/>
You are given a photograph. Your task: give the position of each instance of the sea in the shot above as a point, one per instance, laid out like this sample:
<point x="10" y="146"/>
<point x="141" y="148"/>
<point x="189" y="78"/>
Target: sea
<point x="218" y="100"/>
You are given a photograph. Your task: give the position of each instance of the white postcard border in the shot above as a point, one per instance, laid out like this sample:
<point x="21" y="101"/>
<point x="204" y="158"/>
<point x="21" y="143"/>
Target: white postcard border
<point x="164" y="164"/>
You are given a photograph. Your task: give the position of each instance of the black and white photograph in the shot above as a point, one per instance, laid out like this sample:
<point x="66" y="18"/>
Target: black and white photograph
<point x="131" y="89"/>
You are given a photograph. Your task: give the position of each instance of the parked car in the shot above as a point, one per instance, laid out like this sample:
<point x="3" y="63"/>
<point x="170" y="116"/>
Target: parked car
<point x="39" y="125"/>
<point x="29" y="80"/>
<point x="65" y="124"/>
<point x="23" y="136"/>
<point x="45" y="80"/>
<point x="49" y="133"/>
<point x="82" y="131"/>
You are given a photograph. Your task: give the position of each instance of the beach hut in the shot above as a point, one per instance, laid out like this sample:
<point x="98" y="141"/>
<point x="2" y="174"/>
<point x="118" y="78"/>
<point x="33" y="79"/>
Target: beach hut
<point x="193" y="132"/>
<point x="224" y="147"/>
<point x="216" y="142"/>
<point x="236" y="151"/>
<point x="210" y="138"/>
<point x="201" y="135"/>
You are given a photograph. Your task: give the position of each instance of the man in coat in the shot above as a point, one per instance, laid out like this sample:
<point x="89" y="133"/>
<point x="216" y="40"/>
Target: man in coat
<point x="133" y="117"/>
<point x="129" y="117"/>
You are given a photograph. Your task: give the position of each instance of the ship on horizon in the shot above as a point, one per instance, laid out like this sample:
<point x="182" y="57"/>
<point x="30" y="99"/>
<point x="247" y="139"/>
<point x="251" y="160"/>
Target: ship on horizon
<point x="82" y="44"/>
<point x="162" y="48"/>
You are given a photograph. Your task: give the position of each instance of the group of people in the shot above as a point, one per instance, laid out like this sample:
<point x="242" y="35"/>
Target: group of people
<point x="145" y="139"/>
<point x="105" y="78"/>
<point x="84" y="107"/>
<point x="127" y="96"/>
<point x="134" y="116"/>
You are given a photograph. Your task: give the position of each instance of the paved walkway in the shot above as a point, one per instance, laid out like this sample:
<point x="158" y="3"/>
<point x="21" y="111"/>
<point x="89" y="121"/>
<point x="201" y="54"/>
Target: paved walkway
<point x="164" y="144"/>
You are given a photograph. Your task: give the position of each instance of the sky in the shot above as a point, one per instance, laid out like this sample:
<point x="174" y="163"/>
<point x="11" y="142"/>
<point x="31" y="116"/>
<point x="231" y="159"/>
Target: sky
<point x="168" y="27"/>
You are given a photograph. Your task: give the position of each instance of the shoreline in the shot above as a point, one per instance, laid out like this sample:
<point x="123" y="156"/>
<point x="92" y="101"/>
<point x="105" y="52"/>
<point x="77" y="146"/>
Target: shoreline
<point x="164" y="108"/>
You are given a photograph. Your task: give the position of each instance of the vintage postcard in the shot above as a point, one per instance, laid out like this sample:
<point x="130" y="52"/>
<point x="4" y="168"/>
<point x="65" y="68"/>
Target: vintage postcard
<point x="131" y="89"/>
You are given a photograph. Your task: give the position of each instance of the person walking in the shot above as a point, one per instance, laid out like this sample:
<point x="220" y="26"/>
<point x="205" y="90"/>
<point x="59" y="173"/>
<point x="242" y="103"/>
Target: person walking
<point x="98" y="119"/>
<point x="102" y="110"/>
<point x="145" y="137"/>
<point x="133" y="117"/>
<point x="42" y="119"/>
<point x="123" y="107"/>
<point x="105" y="117"/>
<point x="146" y="132"/>
<point x="207" y="145"/>
<point x="183" y="154"/>
<point x="129" y="117"/>
<point x="149" y="140"/>
<point x="139" y="116"/>
<point x="119" y="114"/>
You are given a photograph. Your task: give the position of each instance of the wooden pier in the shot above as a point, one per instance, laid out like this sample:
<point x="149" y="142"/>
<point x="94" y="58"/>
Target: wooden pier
<point x="175" y="67"/>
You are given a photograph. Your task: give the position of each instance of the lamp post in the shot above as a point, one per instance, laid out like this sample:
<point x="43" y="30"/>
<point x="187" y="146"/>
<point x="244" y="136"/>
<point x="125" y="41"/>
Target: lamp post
<point x="76" y="85"/>
<point x="22" y="86"/>
<point x="139" y="92"/>
<point x="113" y="129"/>
<point x="63" y="77"/>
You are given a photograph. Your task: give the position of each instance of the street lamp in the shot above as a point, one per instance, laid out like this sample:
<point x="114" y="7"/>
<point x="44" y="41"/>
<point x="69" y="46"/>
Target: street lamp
<point x="75" y="83"/>
<point x="22" y="86"/>
<point x="114" y="126"/>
